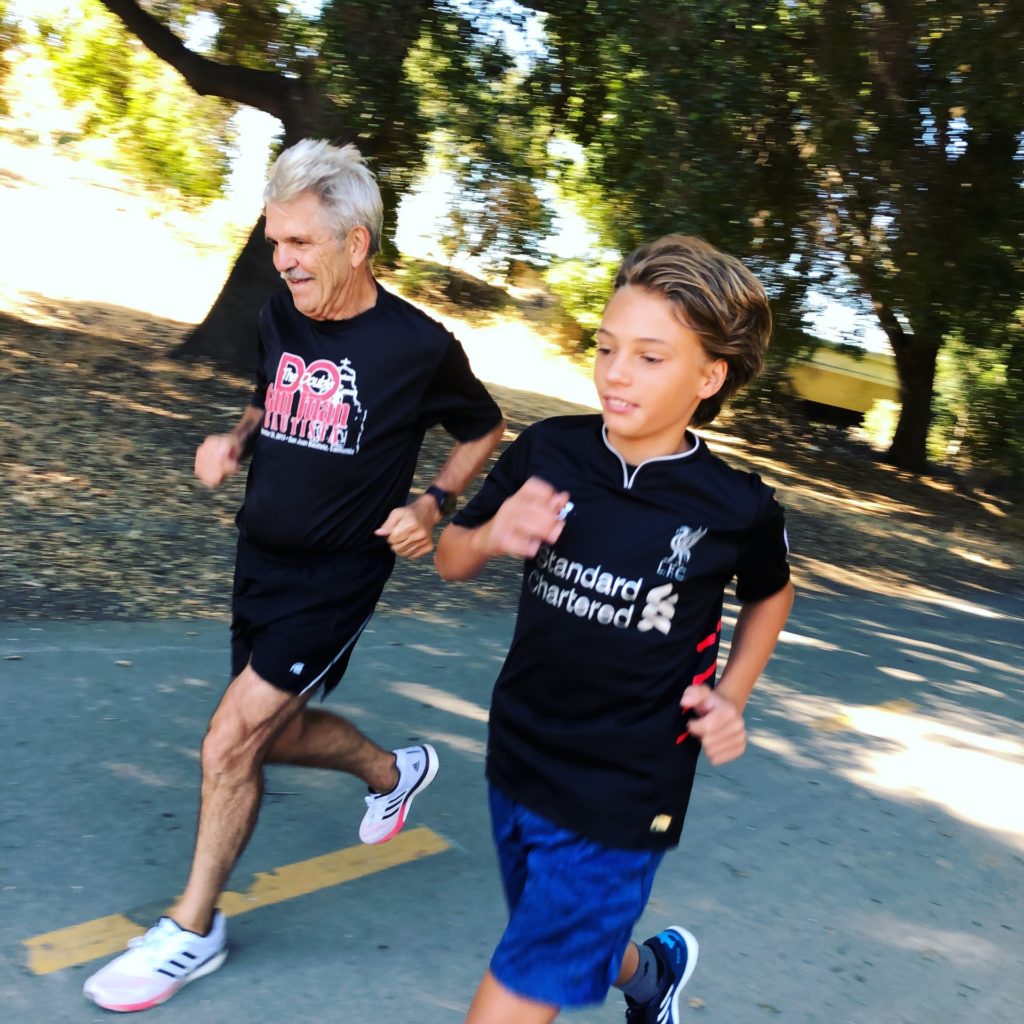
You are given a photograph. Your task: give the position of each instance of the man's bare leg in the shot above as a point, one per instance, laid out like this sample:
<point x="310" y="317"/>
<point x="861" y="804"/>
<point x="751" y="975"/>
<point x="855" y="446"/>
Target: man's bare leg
<point x="319" y="739"/>
<point x="250" y="715"/>
<point x="254" y="723"/>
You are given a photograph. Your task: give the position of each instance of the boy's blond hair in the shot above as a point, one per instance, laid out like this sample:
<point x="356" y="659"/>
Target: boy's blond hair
<point x="715" y="296"/>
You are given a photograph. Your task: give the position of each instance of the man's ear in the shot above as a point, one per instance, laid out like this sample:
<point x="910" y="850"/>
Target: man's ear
<point x="357" y="245"/>
<point x="715" y="373"/>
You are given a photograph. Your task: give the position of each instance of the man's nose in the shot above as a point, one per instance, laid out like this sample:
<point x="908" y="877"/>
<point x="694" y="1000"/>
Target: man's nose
<point x="284" y="258"/>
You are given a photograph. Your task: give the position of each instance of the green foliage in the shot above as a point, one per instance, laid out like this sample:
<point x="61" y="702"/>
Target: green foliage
<point x="10" y="35"/>
<point x="489" y="128"/>
<point x="879" y="424"/>
<point x="979" y="421"/>
<point x="583" y="287"/>
<point x="822" y="141"/>
<point x="878" y="142"/>
<point x="165" y="134"/>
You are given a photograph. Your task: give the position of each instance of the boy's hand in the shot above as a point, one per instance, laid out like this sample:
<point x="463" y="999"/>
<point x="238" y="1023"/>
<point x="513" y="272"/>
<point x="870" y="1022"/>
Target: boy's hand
<point x="718" y="723"/>
<point x="527" y="519"/>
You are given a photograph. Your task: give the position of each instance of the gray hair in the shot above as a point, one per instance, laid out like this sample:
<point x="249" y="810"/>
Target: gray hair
<point x="338" y="177"/>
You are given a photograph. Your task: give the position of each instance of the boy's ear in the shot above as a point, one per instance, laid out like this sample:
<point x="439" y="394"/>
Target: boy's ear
<point x="714" y="377"/>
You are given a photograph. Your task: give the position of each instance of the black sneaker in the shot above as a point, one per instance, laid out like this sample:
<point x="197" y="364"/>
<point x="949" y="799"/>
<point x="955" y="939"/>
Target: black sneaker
<point x="676" y="951"/>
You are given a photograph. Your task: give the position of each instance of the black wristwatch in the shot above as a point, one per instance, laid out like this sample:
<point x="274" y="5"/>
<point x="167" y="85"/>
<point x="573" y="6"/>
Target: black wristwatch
<point x="446" y="501"/>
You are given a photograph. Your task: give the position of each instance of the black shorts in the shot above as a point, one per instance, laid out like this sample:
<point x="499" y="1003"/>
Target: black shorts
<point x="295" y="620"/>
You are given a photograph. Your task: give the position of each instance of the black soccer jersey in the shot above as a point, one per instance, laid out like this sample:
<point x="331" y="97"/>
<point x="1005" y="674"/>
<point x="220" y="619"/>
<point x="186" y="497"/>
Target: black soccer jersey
<point x="615" y="620"/>
<point x="346" y="405"/>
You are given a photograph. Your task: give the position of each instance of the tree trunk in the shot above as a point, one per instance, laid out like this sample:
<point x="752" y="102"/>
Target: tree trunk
<point x="915" y="363"/>
<point x="228" y="334"/>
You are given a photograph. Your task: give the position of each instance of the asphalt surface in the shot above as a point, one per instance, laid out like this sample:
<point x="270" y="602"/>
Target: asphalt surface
<point x="860" y="864"/>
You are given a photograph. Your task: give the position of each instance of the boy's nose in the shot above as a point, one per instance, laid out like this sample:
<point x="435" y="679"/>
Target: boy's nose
<point x="618" y="368"/>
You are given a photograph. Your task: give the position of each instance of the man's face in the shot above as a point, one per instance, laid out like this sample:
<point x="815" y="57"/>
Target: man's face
<point x="651" y="371"/>
<point x="309" y="257"/>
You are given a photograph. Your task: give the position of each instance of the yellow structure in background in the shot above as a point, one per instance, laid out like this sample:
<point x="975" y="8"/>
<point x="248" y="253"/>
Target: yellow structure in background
<point x="833" y="377"/>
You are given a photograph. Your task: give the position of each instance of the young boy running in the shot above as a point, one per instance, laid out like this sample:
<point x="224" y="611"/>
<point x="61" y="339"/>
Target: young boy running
<point x="631" y="529"/>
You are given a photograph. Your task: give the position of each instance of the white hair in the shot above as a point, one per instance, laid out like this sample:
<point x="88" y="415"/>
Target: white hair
<point x="338" y="177"/>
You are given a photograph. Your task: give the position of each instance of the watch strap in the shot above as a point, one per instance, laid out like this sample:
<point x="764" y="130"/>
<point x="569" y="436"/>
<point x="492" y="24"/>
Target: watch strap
<point x="446" y="501"/>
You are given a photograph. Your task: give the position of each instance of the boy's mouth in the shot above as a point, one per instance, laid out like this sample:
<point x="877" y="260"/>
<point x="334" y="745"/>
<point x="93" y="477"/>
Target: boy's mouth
<point x="614" y="404"/>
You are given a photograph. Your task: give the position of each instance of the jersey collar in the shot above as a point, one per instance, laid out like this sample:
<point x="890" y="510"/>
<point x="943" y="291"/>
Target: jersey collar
<point x="628" y="479"/>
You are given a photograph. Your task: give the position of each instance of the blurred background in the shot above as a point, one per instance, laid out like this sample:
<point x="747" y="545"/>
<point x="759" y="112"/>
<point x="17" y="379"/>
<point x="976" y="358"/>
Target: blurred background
<point x="866" y="159"/>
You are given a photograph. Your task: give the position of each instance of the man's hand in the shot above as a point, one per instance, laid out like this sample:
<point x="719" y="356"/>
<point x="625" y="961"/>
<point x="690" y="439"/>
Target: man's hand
<point x="410" y="529"/>
<point x="530" y="517"/>
<point x="718" y="723"/>
<point x="218" y="457"/>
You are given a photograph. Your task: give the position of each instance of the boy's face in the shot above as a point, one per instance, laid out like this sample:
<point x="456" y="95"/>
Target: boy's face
<point x="651" y="372"/>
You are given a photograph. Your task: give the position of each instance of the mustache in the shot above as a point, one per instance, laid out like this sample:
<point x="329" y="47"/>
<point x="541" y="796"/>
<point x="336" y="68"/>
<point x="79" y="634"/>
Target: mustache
<point x="295" y="275"/>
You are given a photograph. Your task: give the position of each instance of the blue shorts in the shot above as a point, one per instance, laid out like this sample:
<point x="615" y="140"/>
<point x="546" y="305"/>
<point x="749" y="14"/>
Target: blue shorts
<point x="573" y="903"/>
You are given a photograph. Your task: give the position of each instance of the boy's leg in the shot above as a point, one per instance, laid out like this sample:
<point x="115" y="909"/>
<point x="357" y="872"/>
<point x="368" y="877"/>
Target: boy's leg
<point x="652" y="976"/>
<point x="495" y="1004"/>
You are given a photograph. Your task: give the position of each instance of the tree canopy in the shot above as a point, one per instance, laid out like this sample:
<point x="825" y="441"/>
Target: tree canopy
<point x="872" y="149"/>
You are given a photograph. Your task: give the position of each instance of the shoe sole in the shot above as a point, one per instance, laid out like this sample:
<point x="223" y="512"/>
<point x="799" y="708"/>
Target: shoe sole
<point x="428" y="778"/>
<point x="208" y="968"/>
<point x="692" y="952"/>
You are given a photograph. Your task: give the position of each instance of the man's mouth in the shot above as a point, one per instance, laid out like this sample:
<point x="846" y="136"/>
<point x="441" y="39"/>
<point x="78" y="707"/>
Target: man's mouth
<point x="296" y="278"/>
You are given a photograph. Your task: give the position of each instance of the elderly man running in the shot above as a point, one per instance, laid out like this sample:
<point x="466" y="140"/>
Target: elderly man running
<point x="350" y="377"/>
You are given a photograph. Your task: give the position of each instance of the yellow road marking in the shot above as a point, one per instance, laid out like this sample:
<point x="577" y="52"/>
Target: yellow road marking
<point x="80" y="943"/>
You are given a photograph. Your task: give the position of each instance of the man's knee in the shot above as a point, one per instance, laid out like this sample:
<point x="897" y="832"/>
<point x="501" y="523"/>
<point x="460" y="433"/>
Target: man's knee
<point x="250" y="715"/>
<point x="228" y="751"/>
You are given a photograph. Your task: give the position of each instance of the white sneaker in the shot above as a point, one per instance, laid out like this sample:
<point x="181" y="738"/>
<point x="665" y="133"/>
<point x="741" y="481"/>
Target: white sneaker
<point x="156" y="965"/>
<point x="385" y="812"/>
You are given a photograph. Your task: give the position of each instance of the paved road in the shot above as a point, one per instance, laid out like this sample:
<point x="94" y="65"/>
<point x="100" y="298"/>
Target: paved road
<point x="861" y="864"/>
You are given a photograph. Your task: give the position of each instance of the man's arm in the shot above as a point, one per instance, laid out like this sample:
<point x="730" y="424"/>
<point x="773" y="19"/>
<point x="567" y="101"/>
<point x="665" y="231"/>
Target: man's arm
<point x="524" y="521"/>
<point x="719" y="722"/>
<point x="220" y="455"/>
<point x="410" y="528"/>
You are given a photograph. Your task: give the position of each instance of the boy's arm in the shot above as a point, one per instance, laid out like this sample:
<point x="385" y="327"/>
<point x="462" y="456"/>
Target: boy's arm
<point x="523" y="522"/>
<point x="719" y="722"/>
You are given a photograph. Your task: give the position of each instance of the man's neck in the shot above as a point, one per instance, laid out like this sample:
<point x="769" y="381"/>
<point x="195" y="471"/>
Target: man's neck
<point x="359" y="295"/>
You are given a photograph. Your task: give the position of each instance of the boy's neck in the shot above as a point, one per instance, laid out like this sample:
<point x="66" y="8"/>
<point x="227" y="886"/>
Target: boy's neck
<point x="637" y="452"/>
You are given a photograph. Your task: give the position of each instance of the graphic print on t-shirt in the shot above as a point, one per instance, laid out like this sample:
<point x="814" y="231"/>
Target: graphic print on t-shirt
<point x="674" y="566"/>
<point x="315" y="406"/>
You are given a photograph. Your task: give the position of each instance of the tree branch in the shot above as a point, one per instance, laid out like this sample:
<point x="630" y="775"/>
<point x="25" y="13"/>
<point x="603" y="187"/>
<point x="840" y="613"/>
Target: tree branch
<point x="285" y="98"/>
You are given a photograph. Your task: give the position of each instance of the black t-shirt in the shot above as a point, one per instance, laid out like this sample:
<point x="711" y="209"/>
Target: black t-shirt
<point x="615" y="620"/>
<point x="346" y="405"/>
